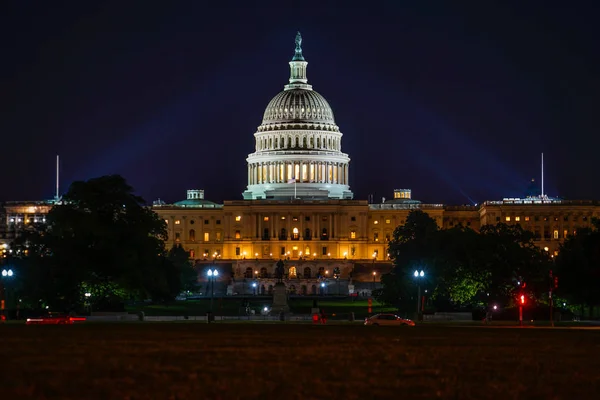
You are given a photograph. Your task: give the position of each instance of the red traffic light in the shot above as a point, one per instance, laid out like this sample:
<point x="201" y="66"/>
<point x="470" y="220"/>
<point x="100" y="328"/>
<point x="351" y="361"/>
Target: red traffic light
<point x="522" y="299"/>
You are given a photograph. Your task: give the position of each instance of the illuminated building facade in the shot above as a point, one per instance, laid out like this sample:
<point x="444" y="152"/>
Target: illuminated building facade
<point x="298" y="207"/>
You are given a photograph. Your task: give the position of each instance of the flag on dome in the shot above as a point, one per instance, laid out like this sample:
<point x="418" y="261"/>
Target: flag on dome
<point x="293" y="180"/>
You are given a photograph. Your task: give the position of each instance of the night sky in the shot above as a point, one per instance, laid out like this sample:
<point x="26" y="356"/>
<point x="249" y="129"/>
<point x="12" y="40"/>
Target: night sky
<point x="455" y="102"/>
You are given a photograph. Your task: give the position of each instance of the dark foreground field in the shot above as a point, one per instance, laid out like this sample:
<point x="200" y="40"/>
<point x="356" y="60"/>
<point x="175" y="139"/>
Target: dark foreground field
<point x="256" y="361"/>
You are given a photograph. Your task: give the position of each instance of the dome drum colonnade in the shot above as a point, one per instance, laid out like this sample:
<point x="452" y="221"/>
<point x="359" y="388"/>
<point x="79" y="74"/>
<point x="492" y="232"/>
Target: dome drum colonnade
<point x="298" y="142"/>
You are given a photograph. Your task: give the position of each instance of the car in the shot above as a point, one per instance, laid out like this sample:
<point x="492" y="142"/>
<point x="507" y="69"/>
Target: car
<point x="388" y="320"/>
<point x="54" y="320"/>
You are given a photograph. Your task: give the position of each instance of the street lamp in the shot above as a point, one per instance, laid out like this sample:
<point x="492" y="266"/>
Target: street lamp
<point x="374" y="275"/>
<point x="418" y="276"/>
<point x="212" y="275"/>
<point x="254" y="287"/>
<point x="6" y="273"/>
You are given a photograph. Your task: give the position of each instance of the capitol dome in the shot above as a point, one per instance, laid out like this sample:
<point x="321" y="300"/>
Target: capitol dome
<point x="298" y="105"/>
<point x="298" y="145"/>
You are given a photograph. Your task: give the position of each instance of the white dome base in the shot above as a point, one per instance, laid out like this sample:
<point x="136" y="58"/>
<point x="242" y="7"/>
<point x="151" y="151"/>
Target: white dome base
<point x="305" y="191"/>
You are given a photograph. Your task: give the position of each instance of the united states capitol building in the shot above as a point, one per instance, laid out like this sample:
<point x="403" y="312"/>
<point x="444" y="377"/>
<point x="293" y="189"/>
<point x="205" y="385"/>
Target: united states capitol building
<point x="298" y="206"/>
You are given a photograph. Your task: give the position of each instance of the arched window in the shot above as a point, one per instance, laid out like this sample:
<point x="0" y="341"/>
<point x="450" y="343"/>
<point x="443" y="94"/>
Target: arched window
<point x="266" y="234"/>
<point x="263" y="272"/>
<point x="312" y="142"/>
<point x="319" y="142"/>
<point x="248" y="273"/>
<point x="295" y="235"/>
<point x="283" y="234"/>
<point x="292" y="273"/>
<point x="238" y="235"/>
<point x="307" y="234"/>
<point x="321" y="272"/>
<point x="192" y="235"/>
<point x="276" y="142"/>
<point x="297" y="141"/>
<point x="192" y="254"/>
<point x="307" y="273"/>
<point x="292" y="289"/>
<point x="313" y="290"/>
<point x="304" y="142"/>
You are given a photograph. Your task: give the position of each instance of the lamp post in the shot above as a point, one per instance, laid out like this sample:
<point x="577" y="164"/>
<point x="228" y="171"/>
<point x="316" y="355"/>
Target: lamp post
<point x="374" y="275"/>
<point x="6" y="273"/>
<point x="212" y="275"/>
<point x="254" y="288"/>
<point x="418" y="276"/>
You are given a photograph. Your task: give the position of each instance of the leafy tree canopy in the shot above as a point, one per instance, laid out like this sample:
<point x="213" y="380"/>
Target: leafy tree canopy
<point x="99" y="239"/>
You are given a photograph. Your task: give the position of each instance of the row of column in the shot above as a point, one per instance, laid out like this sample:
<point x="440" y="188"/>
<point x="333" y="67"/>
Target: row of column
<point x="307" y="172"/>
<point x="277" y="143"/>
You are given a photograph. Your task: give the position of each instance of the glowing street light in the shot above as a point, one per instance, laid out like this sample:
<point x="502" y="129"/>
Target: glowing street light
<point x="419" y="275"/>
<point x="212" y="275"/>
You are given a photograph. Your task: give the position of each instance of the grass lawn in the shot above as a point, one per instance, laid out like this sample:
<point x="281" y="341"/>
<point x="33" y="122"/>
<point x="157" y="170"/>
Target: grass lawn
<point x="296" y="361"/>
<point x="342" y="307"/>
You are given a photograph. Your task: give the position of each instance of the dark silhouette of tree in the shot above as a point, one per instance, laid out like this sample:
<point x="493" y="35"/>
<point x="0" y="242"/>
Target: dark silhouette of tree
<point x="578" y="268"/>
<point x="101" y="239"/>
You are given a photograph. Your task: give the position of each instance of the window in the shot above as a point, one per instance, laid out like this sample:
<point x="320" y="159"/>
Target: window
<point x="526" y="218"/>
<point x="237" y="251"/>
<point x="566" y="218"/>
<point x="177" y="222"/>
<point x="205" y="222"/>
<point x="375" y="222"/>
<point x="295" y="235"/>
<point x="387" y="237"/>
<point x="517" y="219"/>
<point x="376" y="237"/>
<point x="497" y="219"/>
<point x="192" y="235"/>
<point x="238" y="218"/>
<point x="282" y="252"/>
<point x="218" y="222"/>
<point x="507" y="219"/>
<point x="387" y="221"/>
<point x="352" y="219"/>
<point x="565" y="233"/>
<point x="238" y="235"/>
<point x="166" y="221"/>
<point x="555" y="234"/>
<point x="265" y="219"/>
<point x="192" y="222"/>
<point x="177" y="236"/>
<point x="307" y="219"/>
<point x="218" y="236"/>
<point x="292" y="272"/>
<point x="206" y="236"/>
<point x="352" y="234"/>
<point x="295" y="219"/>
<point x="324" y="250"/>
<point x="324" y="219"/>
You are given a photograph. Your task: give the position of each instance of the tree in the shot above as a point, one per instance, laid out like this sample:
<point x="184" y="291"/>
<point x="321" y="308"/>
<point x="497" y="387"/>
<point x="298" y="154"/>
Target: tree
<point x="101" y="239"/>
<point x="578" y="267"/>
<point x="463" y="267"/>
<point x="188" y="276"/>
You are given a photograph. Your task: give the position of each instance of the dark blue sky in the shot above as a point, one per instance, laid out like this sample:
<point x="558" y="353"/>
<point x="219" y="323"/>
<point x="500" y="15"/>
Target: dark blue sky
<point x="454" y="101"/>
